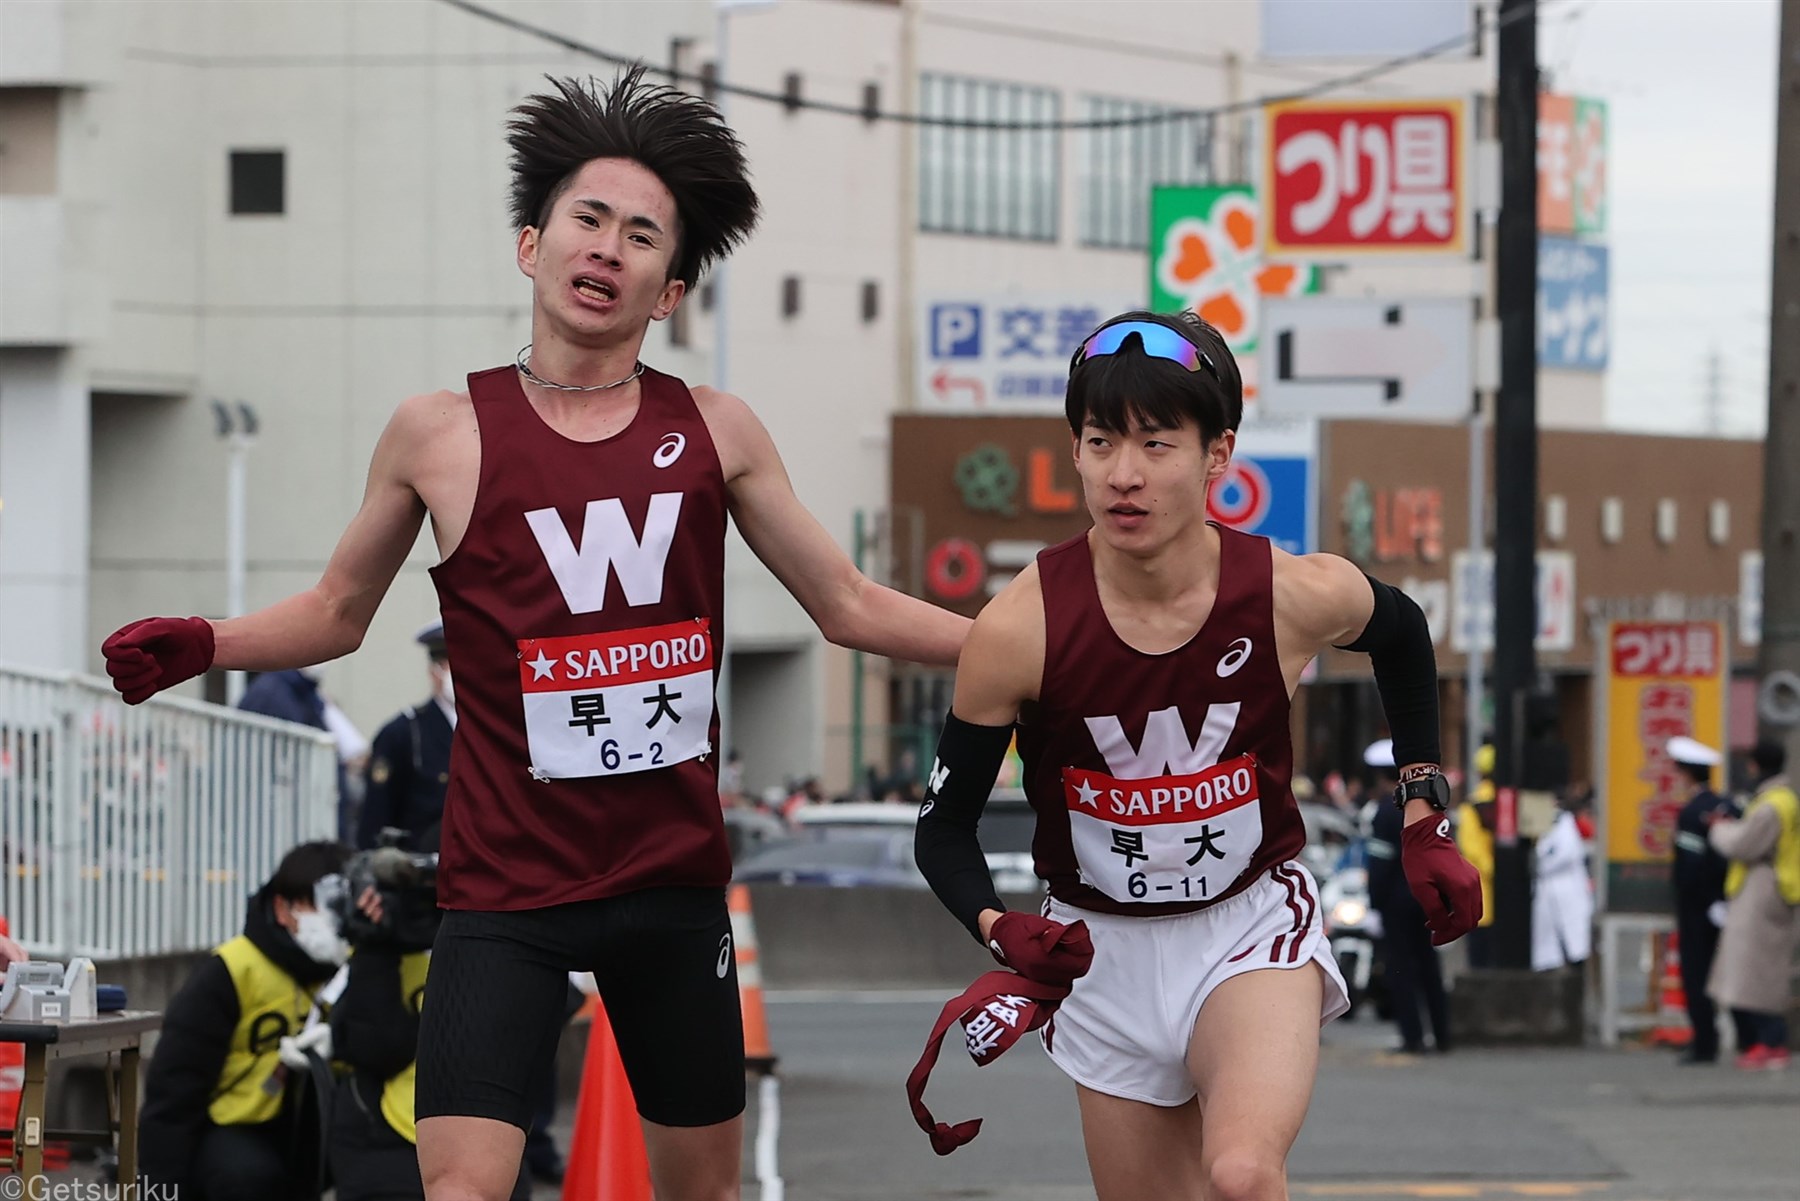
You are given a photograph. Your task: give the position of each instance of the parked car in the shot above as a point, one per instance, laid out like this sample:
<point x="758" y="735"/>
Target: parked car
<point x="865" y="857"/>
<point x="870" y="843"/>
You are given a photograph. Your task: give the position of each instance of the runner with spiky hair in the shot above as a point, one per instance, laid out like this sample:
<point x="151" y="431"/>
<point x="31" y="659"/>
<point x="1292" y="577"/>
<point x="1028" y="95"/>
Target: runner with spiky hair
<point x="579" y="503"/>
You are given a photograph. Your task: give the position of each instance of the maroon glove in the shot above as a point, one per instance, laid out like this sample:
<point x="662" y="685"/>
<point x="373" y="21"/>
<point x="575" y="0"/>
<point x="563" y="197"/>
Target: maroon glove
<point x="148" y="656"/>
<point x="1446" y="885"/>
<point x="1040" y="949"/>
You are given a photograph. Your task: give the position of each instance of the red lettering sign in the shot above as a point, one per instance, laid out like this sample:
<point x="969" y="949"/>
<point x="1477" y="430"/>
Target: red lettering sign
<point x="1365" y="175"/>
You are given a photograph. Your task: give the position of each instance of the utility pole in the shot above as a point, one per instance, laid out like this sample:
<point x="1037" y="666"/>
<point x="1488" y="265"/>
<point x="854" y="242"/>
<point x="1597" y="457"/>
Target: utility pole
<point x="1515" y="462"/>
<point x="1779" y="666"/>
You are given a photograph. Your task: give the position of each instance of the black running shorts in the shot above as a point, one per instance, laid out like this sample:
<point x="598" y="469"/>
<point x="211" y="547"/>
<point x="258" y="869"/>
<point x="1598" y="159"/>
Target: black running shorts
<point x="667" y="972"/>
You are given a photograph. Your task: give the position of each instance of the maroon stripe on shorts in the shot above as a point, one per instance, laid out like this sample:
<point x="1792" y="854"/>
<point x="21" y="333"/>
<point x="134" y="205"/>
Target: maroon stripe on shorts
<point x="1299" y="879"/>
<point x="1293" y="904"/>
<point x="1243" y="954"/>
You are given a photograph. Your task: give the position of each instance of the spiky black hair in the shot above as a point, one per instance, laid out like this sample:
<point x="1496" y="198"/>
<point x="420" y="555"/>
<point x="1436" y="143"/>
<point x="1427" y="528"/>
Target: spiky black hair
<point x="678" y="137"/>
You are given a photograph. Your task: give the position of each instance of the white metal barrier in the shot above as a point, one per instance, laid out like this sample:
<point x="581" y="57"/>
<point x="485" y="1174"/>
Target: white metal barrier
<point x="142" y="830"/>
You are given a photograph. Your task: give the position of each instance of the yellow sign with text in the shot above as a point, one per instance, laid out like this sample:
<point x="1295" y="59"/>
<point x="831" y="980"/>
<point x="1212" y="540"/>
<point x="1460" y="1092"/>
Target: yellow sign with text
<point x="1663" y="679"/>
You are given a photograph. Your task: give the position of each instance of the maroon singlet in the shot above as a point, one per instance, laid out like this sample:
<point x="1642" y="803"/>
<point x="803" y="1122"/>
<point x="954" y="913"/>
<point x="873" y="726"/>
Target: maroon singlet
<point x="581" y="612"/>
<point x="1161" y="782"/>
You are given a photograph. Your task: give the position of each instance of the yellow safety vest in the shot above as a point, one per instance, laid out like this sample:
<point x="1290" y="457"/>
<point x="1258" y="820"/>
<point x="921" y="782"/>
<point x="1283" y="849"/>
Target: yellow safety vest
<point x="1787" y="848"/>
<point x="397" y="1093"/>
<point x="1477" y="846"/>
<point x="271" y="1005"/>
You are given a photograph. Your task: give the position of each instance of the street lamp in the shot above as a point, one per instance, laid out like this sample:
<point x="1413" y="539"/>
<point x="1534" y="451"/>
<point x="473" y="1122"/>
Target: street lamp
<point x="237" y="425"/>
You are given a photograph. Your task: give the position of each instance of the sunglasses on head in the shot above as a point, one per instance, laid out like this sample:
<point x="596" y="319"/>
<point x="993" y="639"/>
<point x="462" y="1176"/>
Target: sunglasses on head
<point x="1158" y="341"/>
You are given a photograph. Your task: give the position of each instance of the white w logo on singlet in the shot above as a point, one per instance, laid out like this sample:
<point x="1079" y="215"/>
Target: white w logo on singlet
<point x="607" y="545"/>
<point x="1165" y="749"/>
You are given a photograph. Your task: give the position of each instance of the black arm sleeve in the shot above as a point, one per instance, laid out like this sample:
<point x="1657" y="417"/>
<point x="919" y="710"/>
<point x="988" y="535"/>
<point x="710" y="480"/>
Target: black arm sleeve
<point x="190" y="1055"/>
<point x="945" y="844"/>
<point x="372" y="1027"/>
<point x="1398" y="642"/>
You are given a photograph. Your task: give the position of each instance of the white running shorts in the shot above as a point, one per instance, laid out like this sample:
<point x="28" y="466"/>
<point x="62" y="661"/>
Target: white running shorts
<point x="1125" y="1028"/>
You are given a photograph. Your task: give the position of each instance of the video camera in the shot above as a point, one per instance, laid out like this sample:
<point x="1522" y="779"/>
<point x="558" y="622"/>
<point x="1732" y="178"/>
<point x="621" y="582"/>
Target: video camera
<point x="406" y="882"/>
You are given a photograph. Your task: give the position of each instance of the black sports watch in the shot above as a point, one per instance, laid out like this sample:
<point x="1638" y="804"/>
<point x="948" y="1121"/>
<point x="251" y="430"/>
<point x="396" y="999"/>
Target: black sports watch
<point x="1431" y="787"/>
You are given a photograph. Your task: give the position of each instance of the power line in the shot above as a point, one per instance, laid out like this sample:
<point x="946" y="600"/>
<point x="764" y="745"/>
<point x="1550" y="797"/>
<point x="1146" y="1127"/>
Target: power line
<point x="1336" y="83"/>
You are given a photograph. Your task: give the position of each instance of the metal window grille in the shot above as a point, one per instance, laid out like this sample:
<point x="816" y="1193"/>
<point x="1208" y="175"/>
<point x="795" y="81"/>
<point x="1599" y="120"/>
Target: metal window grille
<point x="997" y="183"/>
<point x="1120" y="164"/>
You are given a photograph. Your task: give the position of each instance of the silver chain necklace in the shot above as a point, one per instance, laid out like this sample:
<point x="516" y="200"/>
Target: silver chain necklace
<point x="523" y="363"/>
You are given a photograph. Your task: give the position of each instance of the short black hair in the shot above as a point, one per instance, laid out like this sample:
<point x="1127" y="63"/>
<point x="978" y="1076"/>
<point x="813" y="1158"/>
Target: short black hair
<point x="1699" y="773"/>
<point x="1118" y="392"/>
<point x="1769" y="757"/>
<point x="676" y="136"/>
<point x="303" y="867"/>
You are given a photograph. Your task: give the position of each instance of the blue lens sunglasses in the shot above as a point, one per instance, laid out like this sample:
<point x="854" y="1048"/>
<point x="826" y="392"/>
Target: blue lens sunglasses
<point x="1158" y="340"/>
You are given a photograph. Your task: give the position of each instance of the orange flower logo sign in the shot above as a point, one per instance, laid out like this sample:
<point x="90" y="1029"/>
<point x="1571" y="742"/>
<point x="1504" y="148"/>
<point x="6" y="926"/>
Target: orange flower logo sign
<point x="1206" y="255"/>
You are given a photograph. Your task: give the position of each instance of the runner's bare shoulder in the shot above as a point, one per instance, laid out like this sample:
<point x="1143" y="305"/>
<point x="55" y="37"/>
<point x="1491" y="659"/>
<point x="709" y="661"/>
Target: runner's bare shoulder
<point x="1003" y="656"/>
<point x="1319" y="598"/>
<point x="427" y="426"/>
<point x="738" y="434"/>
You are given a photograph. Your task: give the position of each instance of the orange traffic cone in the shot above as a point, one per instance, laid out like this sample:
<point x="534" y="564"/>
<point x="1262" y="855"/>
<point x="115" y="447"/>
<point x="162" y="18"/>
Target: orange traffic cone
<point x="759" y="1056"/>
<point x="607" y="1160"/>
<point x="1672" y="1028"/>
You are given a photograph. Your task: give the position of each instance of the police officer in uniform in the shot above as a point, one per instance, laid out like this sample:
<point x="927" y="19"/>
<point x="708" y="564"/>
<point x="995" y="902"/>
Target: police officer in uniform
<point x="409" y="765"/>
<point x="1699" y="890"/>
<point x="222" y="1119"/>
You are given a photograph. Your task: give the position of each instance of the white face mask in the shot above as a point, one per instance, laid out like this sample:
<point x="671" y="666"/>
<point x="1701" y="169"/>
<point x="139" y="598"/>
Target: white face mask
<point x="316" y="934"/>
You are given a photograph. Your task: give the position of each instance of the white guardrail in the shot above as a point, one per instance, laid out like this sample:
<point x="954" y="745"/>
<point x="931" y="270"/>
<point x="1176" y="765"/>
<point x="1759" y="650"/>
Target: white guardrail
<point x="142" y="830"/>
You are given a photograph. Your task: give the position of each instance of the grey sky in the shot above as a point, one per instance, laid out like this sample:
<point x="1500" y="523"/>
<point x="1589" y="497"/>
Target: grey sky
<point x="1690" y="86"/>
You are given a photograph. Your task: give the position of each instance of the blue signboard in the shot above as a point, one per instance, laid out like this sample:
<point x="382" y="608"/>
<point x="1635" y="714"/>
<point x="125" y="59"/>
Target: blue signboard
<point x="1572" y="301"/>
<point x="1006" y="354"/>
<point x="1270" y="491"/>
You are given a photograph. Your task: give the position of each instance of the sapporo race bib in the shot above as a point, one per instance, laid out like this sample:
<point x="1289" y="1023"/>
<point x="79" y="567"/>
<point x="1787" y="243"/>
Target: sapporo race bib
<point x="618" y="702"/>
<point x="1167" y="838"/>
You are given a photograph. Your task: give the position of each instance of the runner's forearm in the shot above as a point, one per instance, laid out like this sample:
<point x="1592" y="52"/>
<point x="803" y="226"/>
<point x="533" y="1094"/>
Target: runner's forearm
<point x="885" y="622"/>
<point x="300" y="631"/>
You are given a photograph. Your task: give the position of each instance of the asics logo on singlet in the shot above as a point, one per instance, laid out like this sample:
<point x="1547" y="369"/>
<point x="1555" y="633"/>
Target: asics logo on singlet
<point x="1236" y="657"/>
<point x="1165" y="748"/>
<point x="724" y="963"/>
<point x="670" y="449"/>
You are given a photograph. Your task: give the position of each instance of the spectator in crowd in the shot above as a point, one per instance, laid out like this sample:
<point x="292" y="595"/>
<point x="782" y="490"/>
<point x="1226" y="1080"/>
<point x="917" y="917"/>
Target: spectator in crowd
<point x="1562" y="897"/>
<point x="1756" y="951"/>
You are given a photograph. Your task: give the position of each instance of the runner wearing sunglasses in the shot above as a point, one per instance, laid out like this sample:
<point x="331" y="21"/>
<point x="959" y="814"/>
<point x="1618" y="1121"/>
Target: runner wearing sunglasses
<point x="578" y="499"/>
<point x="1148" y="665"/>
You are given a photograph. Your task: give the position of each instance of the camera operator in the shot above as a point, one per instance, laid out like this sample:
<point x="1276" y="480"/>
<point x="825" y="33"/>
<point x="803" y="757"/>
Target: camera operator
<point x="375" y="1024"/>
<point x="222" y="1117"/>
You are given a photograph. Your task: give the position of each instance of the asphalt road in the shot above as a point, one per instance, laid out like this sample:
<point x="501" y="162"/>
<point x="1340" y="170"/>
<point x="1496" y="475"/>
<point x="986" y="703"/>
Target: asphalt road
<point x="1595" y="1125"/>
<point x="1609" y="1126"/>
